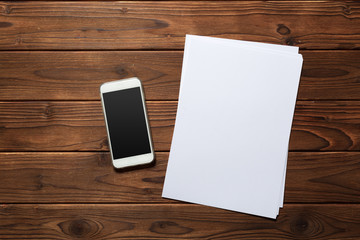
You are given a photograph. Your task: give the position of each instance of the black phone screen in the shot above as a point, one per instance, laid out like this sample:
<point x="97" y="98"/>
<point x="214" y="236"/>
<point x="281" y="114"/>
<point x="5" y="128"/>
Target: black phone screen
<point x="126" y="123"/>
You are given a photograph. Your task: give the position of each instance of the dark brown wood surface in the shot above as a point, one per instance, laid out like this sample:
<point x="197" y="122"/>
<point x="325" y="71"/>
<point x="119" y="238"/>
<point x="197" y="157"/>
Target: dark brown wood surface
<point x="178" y="221"/>
<point x="163" y="25"/>
<point x="89" y="177"/>
<point x="56" y="176"/>
<point x="74" y="75"/>
<point x="80" y="126"/>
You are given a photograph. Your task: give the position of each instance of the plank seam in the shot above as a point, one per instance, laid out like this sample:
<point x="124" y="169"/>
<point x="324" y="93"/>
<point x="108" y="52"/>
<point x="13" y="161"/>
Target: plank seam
<point x="147" y="50"/>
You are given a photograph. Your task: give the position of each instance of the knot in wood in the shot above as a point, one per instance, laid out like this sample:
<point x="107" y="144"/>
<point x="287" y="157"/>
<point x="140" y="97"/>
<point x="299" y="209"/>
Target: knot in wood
<point x="291" y="41"/>
<point x="121" y="71"/>
<point x="5" y="24"/>
<point x="167" y="227"/>
<point x="48" y="112"/>
<point x="7" y="9"/>
<point x="347" y="10"/>
<point x="283" y="30"/>
<point x="307" y="226"/>
<point x="79" y="228"/>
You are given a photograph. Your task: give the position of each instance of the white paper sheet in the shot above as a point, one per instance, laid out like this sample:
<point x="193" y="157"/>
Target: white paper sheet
<point x="264" y="47"/>
<point x="232" y="128"/>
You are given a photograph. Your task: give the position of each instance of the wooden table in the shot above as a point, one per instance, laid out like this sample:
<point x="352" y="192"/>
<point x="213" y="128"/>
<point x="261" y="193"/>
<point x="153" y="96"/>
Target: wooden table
<point x="56" y="176"/>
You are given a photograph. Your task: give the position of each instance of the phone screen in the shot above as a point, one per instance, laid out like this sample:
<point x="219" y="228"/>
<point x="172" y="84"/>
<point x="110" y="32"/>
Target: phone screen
<point x="126" y="123"/>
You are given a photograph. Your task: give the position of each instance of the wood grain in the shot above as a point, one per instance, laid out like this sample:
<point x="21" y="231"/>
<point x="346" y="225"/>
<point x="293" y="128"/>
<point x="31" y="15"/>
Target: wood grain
<point x="71" y="126"/>
<point x="85" y="177"/>
<point x="78" y="75"/>
<point x="323" y="177"/>
<point x="163" y="25"/>
<point x="326" y="126"/>
<point x="330" y="75"/>
<point x="57" y="180"/>
<point x="110" y="221"/>
<point x="77" y="177"/>
<point x="79" y="126"/>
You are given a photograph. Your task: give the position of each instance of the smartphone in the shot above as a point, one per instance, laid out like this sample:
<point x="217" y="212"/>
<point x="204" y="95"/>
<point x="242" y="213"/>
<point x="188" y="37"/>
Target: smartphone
<point x="127" y="123"/>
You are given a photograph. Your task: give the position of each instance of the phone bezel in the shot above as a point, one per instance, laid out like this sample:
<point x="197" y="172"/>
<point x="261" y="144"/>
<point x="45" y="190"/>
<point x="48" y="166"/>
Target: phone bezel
<point x="121" y="85"/>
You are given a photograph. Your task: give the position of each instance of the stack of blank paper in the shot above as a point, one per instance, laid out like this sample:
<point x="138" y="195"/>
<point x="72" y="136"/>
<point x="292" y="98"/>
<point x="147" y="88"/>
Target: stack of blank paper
<point x="230" y="143"/>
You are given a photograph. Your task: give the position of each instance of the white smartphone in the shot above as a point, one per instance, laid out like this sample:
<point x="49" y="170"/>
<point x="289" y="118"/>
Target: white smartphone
<point x="127" y="123"/>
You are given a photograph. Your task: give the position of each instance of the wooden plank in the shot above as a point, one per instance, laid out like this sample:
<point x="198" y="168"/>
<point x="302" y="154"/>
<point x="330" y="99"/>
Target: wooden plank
<point x="79" y="126"/>
<point x="71" y="126"/>
<point x="78" y="75"/>
<point x="323" y="177"/>
<point x="89" y="177"/>
<point x="330" y="75"/>
<point x="326" y="125"/>
<point x="163" y="24"/>
<point x="77" y="177"/>
<point x="175" y="222"/>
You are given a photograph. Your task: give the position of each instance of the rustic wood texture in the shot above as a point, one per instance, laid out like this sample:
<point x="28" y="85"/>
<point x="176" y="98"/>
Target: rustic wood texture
<point x="71" y="126"/>
<point x="80" y="126"/>
<point x="70" y="177"/>
<point x="326" y="126"/>
<point x="57" y="180"/>
<point x="163" y="25"/>
<point x="118" y="221"/>
<point x="78" y="75"/>
<point x="323" y="177"/>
